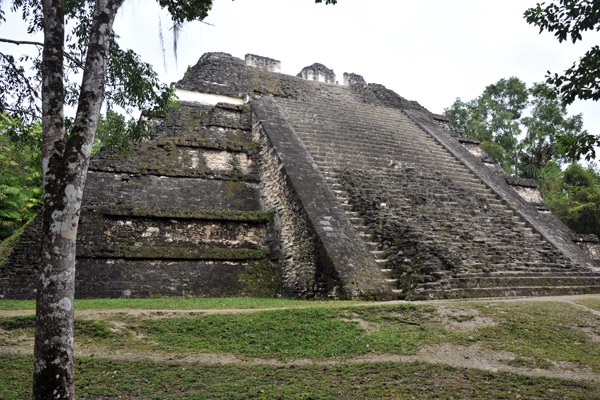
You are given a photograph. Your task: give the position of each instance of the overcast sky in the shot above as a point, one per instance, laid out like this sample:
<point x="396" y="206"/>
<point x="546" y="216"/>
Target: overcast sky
<point x="431" y="51"/>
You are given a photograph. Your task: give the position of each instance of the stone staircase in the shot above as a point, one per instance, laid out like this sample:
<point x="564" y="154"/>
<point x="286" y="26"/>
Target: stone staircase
<point x="435" y="229"/>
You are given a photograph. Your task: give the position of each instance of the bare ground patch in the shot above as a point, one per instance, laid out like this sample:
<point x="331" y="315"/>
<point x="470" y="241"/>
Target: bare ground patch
<point x="368" y="327"/>
<point x="478" y="357"/>
<point x="460" y="318"/>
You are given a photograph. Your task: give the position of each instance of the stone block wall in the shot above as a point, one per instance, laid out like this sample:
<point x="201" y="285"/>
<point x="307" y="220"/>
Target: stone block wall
<point x="180" y="215"/>
<point x="268" y="64"/>
<point x="317" y="72"/>
<point x="297" y="248"/>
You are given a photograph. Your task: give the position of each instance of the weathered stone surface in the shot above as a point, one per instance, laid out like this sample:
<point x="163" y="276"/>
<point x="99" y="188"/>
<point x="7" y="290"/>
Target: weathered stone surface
<point x="268" y="64"/>
<point x="337" y="259"/>
<point x="164" y="191"/>
<point x="109" y="277"/>
<point x="179" y="215"/>
<point x="317" y="72"/>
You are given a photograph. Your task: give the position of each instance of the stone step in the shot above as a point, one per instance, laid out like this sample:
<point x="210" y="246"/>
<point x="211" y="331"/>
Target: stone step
<point x="357" y="220"/>
<point x="380" y="254"/>
<point x="361" y="228"/>
<point x="372" y="245"/>
<point x="382" y="262"/>
<point x="538" y="272"/>
<point x="314" y="139"/>
<point x="380" y="159"/>
<point x="518" y="281"/>
<point x="504" y="292"/>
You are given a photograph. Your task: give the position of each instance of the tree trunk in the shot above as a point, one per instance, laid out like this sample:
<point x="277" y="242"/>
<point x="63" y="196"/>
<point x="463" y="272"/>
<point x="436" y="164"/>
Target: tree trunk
<point x="64" y="166"/>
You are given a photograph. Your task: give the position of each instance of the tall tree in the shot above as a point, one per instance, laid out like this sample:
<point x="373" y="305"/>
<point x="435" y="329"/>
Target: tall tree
<point x="568" y="20"/>
<point x="90" y="46"/>
<point x="493" y="118"/>
<point x="507" y="109"/>
<point x="573" y="195"/>
<point x="547" y="119"/>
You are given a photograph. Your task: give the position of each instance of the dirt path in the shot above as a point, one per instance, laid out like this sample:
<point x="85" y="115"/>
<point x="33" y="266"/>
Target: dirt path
<point x="445" y="354"/>
<point x="164" y="313"/>
<point x="474" y="356"/>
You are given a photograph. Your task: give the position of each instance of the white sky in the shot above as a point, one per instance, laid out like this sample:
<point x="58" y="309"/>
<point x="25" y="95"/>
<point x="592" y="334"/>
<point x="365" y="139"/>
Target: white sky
<point x="431" y="51"/>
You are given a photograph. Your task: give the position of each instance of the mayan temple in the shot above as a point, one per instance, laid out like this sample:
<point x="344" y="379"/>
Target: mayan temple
<point x="265" y="184"/>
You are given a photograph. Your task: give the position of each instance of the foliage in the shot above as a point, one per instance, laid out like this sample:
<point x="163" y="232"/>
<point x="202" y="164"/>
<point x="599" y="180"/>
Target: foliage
<point x="20" y="173"/>
<point x="547" y="119"/>
<point x="493" y="118"/>
<point x="131" y="84"/>
<point x="74" y="31"/>
<point x="573" y="196"/>
<point x="517" y="126"/>
<point x="568" y="19"/>
<point x="115" y="131"/>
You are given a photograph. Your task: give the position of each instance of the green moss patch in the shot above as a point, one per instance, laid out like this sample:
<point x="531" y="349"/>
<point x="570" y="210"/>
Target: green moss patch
<point x="134" y="210"/>
<point x="261" y="279"/>
<point x="316" y="333"/>
<point x="186" y="253"/>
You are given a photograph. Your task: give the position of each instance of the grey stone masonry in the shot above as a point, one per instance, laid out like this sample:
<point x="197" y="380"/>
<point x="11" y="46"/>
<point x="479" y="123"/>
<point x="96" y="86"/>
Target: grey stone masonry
<point x="180" y="215"/>
<point x="317" y="72"/>
<point x="354" y="80"/>
<point x="430" y="220"/>
<point x="268" y="64"/>
<point x="340" y="260"/>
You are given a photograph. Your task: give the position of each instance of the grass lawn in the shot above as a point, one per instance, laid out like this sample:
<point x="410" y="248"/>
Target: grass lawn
<point x="178" y="303"/>
<point x="101" y="379"/>
<point x="314" y="350"/>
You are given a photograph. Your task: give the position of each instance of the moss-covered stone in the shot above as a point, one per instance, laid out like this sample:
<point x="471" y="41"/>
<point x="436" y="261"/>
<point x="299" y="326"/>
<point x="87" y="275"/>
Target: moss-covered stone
<point x="136" y="210"/>
<point x="260" y="279"/>
<point x="185" y="253"/>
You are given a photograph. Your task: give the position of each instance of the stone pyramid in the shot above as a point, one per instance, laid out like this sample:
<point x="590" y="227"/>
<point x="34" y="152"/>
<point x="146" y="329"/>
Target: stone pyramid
<point x="263" y="184"/>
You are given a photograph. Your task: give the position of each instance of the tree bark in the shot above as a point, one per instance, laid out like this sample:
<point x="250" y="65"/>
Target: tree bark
<point x="64" y="167"/>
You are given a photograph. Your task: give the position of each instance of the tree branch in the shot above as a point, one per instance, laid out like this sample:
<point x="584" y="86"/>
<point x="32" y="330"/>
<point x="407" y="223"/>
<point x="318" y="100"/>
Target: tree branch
<point x="16" y="110"/>
<point x="20" y="73"/>
<point x="19" y="42"/>
<point x="40" y="44"/>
